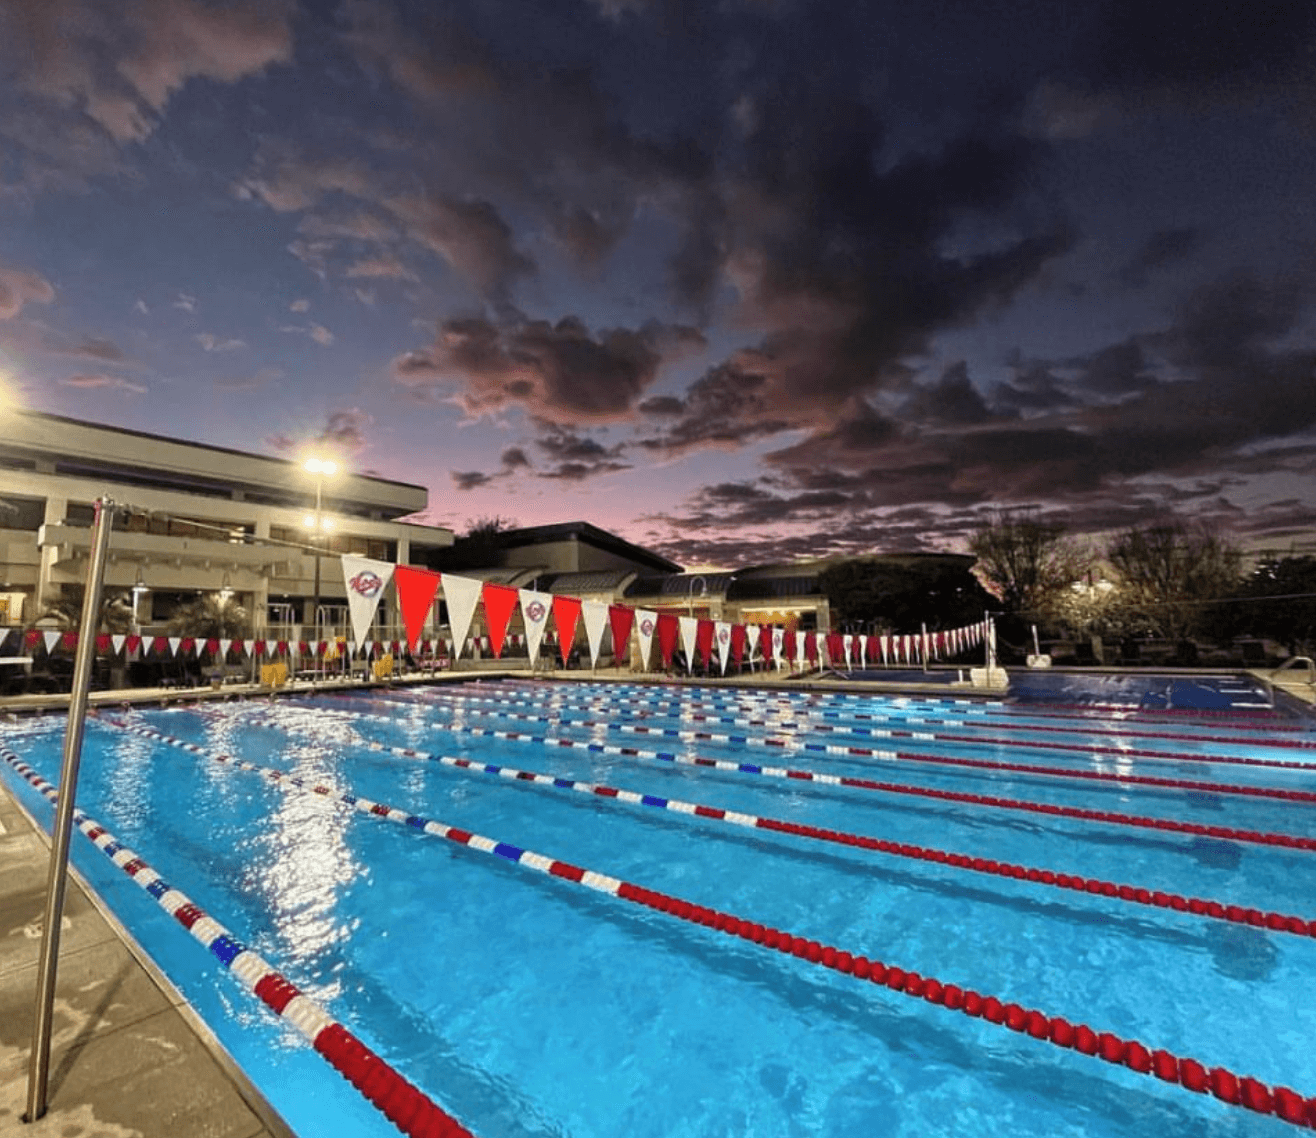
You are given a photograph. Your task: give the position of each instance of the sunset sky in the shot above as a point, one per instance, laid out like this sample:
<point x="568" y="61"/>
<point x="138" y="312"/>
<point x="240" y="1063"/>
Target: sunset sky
<point x="740" y="280"/>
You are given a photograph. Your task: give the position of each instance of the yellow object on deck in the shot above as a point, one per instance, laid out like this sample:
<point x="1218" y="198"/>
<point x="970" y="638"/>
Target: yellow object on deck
<point x="273" y="675"/>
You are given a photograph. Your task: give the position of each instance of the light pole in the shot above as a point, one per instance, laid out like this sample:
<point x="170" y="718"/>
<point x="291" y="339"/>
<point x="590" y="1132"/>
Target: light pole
<point x="322" y="468"/>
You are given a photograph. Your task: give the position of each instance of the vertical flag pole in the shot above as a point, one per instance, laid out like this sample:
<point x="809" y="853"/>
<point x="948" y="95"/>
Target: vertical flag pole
<point x="39" y="1060"/>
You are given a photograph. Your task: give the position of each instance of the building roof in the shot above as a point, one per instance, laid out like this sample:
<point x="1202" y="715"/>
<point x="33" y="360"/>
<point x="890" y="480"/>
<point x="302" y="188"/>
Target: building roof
<point x="591" y="535"/>
<point x="120" y="455"/>
<point x="601" y="581"/>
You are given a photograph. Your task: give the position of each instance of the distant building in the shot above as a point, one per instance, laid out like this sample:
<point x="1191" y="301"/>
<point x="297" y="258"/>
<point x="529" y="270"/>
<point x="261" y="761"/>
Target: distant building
<point x="204" y="518"/>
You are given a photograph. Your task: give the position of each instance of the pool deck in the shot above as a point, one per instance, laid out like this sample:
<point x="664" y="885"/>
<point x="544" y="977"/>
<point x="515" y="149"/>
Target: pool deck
<point x="129" y="1058"/>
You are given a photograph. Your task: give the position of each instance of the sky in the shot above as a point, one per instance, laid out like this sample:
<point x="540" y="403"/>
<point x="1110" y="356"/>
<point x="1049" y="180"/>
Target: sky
<point x="738" y="280"/>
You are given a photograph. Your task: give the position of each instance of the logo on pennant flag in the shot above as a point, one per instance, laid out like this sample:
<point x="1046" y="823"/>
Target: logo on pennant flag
<point x="535" y="611"/>
<point x="366" y="584"/>
<point x="646" y="626"/>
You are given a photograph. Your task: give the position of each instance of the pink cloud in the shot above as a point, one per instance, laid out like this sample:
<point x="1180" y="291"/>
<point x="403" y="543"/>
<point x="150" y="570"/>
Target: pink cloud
<point x="19" y="287"/>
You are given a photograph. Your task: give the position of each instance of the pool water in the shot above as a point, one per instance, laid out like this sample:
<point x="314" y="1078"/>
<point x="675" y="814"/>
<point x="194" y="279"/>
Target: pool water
<point x="528" y="1005"/>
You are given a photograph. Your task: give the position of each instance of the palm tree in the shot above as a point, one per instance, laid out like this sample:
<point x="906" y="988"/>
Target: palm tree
<point x="65" y="610"/>
<point x="211" y="615"/>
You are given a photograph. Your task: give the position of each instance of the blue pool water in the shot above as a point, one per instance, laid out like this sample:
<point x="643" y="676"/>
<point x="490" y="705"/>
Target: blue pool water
<point x="526" y="1005"/>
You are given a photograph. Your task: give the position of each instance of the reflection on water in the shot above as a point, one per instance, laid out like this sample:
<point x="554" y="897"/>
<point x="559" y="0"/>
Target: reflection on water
<point x="305" y="864"/>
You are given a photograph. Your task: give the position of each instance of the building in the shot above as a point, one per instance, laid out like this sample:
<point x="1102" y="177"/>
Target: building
<point x="200" y="519"/>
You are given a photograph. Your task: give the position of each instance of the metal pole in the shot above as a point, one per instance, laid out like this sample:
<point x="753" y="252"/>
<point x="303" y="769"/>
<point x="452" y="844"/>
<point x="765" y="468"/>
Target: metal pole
<point x="315" y="608"/>
<point x="39" y="1061"/>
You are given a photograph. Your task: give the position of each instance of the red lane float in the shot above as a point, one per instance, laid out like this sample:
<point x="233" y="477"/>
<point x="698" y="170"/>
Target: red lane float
<point x="1245" y="1091"/>
<point x="970" y="709"/>
<point x="406" y="1106"/>
<point x="1168" y="825"/>
<point x="717" y="703"/>
<point x="1132" y="894"/>
<point x="896" y="733"/>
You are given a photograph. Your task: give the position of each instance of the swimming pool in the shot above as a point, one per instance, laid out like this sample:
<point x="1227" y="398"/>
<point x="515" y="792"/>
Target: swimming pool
<point x="904" y="830"/>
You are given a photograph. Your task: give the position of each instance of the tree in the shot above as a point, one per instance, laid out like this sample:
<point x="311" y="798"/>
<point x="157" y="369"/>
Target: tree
<point x="211" y="615"/>
<point x="479" y="547"/>
<point x="65" y="610"/>
<point x="1284" y="607"/>
<point x="1168" y="570"/>
<point x="1027" y="563"/>
<point x="899" y="596"/>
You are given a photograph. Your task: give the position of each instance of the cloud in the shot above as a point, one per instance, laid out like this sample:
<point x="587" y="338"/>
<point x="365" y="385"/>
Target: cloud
<point x="380" y="266"/>
<point x="1163" y="249"/>
<point x="346" y="430"/>
<point x="576" y="457"/>
<point x="471" y="236"/>
<point x="185" y="302"/>
<point x="22" y="286"/>
<point x="141" y="309"/>
<point x="262" y="378"/>
<point x="212" y="343"/>
<point x="317" y="332"/>
<point x="470" y="479"/>
<point x="109" y="382"/>
<point x="558" y="372"/>
<point x="86" y="80"/>
<point x="301" y="305"/>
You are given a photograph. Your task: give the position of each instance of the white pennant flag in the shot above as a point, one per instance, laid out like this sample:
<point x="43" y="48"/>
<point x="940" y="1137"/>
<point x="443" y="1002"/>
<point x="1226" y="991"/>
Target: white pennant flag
<point x="365" y="580"/>
<point x="223" y="649"/>
<point x="534" y="611"/>
<point x="646" y="620"/>
<point x="594" y="615"/>
<point x="752" y="635"/>
<point x="462" y="595"/>
<point x="820" y="639"/>
<point x="778" y="645"/>
<point x="847" y="642"/>
<point x="722" y="638"/>
<point x="174" y="642"/>
<point x="883" y="642"/>
<point x="271" y="648"/>
<point x="800" y="658"/>
<point x="51" y="639"/>
<point x="863" y="649"/>
<point x="116" y="642"/>
<point x="689" y="629"/>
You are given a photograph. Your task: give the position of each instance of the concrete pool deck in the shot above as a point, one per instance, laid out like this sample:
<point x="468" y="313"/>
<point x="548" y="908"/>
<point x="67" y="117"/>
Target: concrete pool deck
<point x="129" y="1057"/>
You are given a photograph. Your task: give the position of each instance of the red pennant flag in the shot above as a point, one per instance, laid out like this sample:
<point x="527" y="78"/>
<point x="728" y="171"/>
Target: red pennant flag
<point x="669" y="628"/>
<point x="416" y="592"/>
<point x="499" y="601"/>
<point x="765" y="641"/>
<point x="704" y="640"/>
<point x="566" y="612"/>
<point x="103" y="643"/>
<point x="738" y="638"/>
<point x="31" y="639"/>
<point x="788" y="646"/>
<point x="621" y="618"/>
<point x="212" y="646"/>
<point x="835" y="647"/>
<point x="132" y="644"/>
<point x="69" y="641"/>
<point x="811" y="649"/>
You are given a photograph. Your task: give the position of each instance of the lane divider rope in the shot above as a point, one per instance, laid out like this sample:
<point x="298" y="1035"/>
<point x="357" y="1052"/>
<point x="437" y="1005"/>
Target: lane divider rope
<point x="1245" y="1091"/>
<point x="1170" y="825"/>
<point x="401" y="1102"/>
<point x="1238" y="914"/>
<point x="922" y="736"/>
<point x="928" y="759"/>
